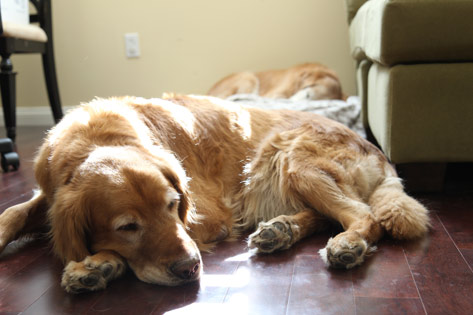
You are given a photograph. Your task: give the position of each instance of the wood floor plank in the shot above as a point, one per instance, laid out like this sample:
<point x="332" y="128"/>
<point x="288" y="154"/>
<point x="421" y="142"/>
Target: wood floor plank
<point x="456" y="216"/>
<point x="17" y="256"/>
<point x="56" y="301"/>
<point x="17" y="183"/>
<point x="13" y="191"/>
<point x="146" y="297"/>
<point x="24" y="174"/>
<point x="260" y="295"/>
<point x="395" y="306"/>
<point x="262" y="284"/>
<point x="28" y="285"/>
<point x="14" y="200"/>
<point x="442" y="276"/>
<point x="318" y="290"/>
<point x="468" y="255"/>
<point x="385" y="274"/>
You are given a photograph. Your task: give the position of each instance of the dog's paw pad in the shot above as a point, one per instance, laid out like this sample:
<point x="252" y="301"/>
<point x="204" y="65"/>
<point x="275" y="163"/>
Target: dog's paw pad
<point x="106" y="270"/>
<point x="89" y="280"/>
<point x="271" y="236"/>
<point x="77" y="279"/>
<point x="345" y="251"/>
<point x="267" y="234"/>
<point x="88" y="275"/>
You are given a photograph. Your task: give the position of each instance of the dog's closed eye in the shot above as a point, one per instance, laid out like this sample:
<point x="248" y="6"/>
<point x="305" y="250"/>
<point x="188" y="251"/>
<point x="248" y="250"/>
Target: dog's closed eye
<point x="128" y="227"/>
<point x="172" y="204"/>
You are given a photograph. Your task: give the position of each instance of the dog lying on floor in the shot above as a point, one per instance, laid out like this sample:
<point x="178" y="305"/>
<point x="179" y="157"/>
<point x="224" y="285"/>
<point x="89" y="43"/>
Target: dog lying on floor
<point x="150" y="183"/>
<point x="310" y="81"/>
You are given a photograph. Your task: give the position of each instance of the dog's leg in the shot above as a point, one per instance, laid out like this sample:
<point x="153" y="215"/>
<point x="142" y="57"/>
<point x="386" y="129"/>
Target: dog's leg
<point x="304" y="176"/>
<point x="93" y="273"/>
<point x="348" y="249"/>
<point x="214" y="220"/>
<point x="283" y="231"/>
<point x="24" y="218"/>
<point x="321" y="191"/>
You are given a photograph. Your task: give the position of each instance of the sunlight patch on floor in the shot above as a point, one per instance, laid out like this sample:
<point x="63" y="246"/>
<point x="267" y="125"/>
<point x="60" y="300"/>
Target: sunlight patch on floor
<point x="239" y="279"/>
<point x="241" y="257"/>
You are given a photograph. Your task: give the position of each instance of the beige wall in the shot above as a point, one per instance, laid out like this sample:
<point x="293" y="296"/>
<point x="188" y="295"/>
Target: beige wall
<point x="186" y="45"/>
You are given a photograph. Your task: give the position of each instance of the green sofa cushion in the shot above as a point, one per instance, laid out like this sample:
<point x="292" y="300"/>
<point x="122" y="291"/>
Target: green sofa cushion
<point x="405" y="31"/>
<point x="423" y="112"/>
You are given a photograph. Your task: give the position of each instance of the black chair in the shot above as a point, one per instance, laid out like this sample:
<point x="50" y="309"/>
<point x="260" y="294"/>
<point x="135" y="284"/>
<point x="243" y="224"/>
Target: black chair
<point x="14" y="39"/>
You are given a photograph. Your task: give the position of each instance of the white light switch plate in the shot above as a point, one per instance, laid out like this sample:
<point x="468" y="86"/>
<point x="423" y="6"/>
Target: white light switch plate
<point x="132" y="45"/>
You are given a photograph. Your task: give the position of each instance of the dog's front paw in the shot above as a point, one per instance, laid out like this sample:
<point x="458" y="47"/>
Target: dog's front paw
<point x="276" y="234"/>
<point x="346" y="250"/>
<point x="89" y="274"/>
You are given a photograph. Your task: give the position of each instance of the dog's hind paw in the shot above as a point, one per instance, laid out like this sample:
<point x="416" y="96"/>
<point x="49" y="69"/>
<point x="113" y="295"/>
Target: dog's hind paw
<point x="276" y="234"/>
<point x="345" y="251"/>
<point x="91" y="274"/>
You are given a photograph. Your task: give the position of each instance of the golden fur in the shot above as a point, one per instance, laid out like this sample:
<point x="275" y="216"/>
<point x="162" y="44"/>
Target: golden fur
<point x="149" y="183"/>
<point x="307" y="81"/>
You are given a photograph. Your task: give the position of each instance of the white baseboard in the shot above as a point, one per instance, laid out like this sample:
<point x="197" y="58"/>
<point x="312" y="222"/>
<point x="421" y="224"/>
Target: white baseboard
<point x="34" y="116"/>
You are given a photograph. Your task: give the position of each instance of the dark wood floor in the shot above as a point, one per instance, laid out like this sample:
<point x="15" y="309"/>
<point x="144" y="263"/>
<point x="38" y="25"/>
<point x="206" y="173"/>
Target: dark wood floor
<point x="433" y="275"/>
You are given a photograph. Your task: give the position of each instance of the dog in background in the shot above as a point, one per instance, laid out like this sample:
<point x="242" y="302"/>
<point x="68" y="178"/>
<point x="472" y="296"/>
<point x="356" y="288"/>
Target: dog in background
<point x="150" y="183"/>
<point x="310" y="81"/>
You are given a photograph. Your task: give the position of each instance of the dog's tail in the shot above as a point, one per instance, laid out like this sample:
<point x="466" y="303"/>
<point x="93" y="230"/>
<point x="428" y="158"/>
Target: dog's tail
<point x="401" y="216"/>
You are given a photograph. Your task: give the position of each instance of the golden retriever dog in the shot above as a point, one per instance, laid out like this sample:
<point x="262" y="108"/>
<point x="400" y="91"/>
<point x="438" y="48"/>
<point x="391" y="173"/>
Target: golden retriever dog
<point x="150" y="183"/>
<point x="307" y="81"/>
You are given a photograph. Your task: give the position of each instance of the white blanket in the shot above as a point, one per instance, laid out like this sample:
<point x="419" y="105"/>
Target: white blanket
<point x="346" y="112"/>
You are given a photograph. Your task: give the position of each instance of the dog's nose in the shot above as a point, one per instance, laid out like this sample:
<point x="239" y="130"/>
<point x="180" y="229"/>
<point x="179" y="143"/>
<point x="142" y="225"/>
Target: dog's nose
<point x="186" y="269"/>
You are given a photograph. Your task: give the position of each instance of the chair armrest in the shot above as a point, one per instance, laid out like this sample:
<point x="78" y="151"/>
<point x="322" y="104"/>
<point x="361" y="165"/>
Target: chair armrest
<point x="352" y="7"/>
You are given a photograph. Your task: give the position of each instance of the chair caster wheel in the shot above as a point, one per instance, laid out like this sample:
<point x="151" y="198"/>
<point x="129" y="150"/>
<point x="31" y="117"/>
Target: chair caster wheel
<point x="10" y="159"/>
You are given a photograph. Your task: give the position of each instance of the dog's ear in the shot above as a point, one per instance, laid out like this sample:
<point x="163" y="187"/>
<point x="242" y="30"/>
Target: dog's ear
<point x="69" y="222"/>
<point x="181" y="187"/>
<point x="184" y="202"/>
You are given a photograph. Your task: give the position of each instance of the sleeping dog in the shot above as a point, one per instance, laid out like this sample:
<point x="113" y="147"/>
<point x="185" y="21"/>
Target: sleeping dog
<point x="150" y="183"/>
<point x="311" y="81"/>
